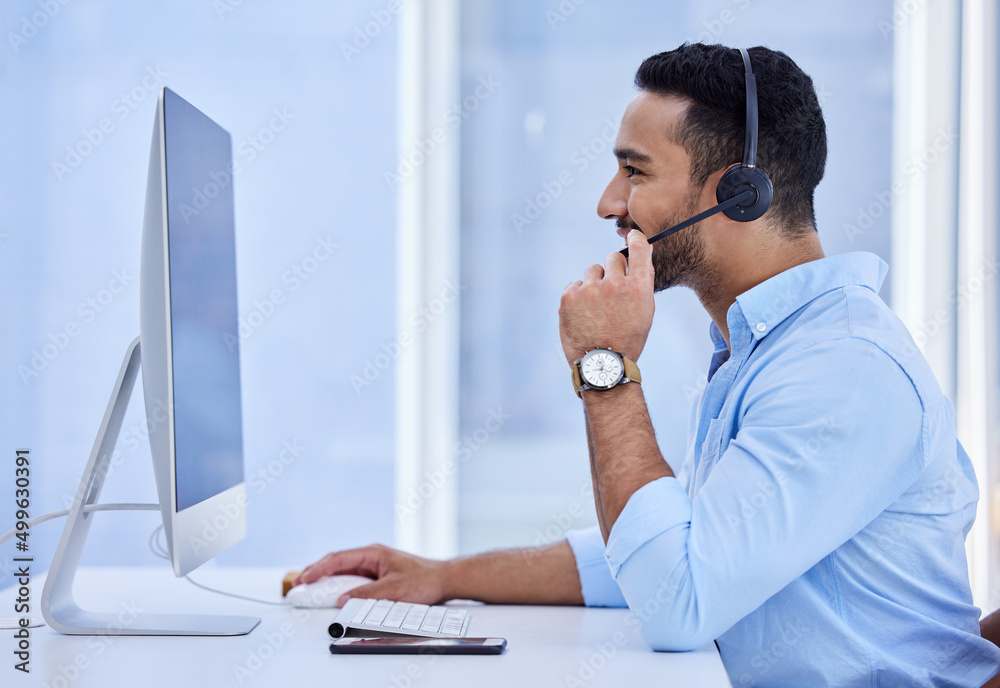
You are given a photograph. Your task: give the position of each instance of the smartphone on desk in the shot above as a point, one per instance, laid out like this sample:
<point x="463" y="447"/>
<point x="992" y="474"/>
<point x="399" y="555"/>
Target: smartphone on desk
<point x="418" y="646"/>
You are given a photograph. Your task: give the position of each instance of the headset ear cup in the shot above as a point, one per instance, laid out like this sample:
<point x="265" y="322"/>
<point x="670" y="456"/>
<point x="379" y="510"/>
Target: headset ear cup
<point x="737" y="179"/>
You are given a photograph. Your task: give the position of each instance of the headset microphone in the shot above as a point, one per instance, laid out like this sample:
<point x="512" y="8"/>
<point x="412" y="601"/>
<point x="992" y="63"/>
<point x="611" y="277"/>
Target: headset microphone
<point x="744" y="192"/>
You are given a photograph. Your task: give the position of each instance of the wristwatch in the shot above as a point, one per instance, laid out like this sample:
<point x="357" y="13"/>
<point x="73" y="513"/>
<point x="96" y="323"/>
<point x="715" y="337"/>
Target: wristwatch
<point x="602" y="369"/>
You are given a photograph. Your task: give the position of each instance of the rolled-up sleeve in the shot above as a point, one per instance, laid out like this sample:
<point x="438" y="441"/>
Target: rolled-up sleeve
<point x="599" y="588"/>
<point x="655" y="509"/>
<point x="810" y="465"/>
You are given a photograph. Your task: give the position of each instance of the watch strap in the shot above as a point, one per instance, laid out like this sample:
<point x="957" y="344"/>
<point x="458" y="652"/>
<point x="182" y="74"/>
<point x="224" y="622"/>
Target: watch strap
<point x="631" y="370"/>
<point x="577" y="380"/>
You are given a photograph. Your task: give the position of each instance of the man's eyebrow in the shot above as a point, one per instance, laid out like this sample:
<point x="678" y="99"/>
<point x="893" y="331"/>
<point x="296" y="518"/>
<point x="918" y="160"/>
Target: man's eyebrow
<point x="632" y="154"/>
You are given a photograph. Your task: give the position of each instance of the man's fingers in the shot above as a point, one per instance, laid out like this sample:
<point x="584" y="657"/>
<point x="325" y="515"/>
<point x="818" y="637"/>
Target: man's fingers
<point x="327" y="566"/>
<point x="615" y="264"/>
<point x="376" y="590"/>
<point x="594" y="273"/>
<point x="359" y="562"/>
<point x="640" y="256"/>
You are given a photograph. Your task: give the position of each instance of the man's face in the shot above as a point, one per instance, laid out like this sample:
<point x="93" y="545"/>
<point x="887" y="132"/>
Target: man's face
<point x="651" y="190"/>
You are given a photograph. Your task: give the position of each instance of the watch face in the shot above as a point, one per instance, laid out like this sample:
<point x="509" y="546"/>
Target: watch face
<point x="602" y="369"/>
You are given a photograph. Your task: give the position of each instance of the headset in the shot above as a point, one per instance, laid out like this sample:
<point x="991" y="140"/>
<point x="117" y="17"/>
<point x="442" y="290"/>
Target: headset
<point x="744" y="192"/>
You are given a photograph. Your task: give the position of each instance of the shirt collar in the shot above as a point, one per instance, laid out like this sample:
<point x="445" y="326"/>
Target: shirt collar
<point x="721" y="353"/>
<point x="768" y="304"/>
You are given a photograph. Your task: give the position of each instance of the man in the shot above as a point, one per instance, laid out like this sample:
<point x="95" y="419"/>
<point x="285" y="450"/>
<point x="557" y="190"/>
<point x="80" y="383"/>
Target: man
<point x="816" y="528"/>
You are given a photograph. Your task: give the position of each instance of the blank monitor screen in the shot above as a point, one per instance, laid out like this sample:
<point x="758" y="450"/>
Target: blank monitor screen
<point x="201" y="241"/>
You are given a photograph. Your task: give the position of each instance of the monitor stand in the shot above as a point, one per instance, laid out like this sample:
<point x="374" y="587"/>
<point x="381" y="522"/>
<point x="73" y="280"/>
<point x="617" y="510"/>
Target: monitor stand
<point x="59" y="608"/>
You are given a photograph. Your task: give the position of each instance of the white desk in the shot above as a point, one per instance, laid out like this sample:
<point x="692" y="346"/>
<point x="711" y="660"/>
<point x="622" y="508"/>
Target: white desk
<point x="547" y="646"/>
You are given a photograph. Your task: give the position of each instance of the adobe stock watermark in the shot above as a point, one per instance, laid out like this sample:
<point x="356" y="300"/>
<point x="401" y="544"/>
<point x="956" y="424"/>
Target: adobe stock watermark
<point x="86" y="312"/>
<point x="266" y="475"/>
<point x="932" y="326"/>
<point x="893" y="535"/>
<point x="422" y="150"/>
<point x="121" y="107"/>
<point x="693" y="392"/>
<point x="823" y="95"/>
<point x="597" y="660"/>
<point x="464" y="450"/>
<point x="662" y="597"/>
<point x="365" y="33"/>
<point x="563" y="11"/>
<point x="224" y="7"/>
<point x="32" y="23"/>
<point x="792" y="632"/>
<point x="588" y="668"/>
<point x="756" y="497"/>
<point x="419" y="321"/>
<point x="269" y="645"/>
<point x="916" y="166"/>
<point x="129" y="441"/>
<point x="579" y="162"/>
<point x="254" y="144"/>
<point x="560" y="522"/>
<point x="713" y="28"/>
<point x="902" y="12"/>
<point x="227" y="514"/>
<point x="248" y="149"/>
<point x="293" y="278"/>
<point x="65" y="675"/>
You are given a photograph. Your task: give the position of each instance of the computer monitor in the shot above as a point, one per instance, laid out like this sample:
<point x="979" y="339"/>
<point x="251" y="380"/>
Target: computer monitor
<point x="187" y="321"/>
<point x="191" y="377"/>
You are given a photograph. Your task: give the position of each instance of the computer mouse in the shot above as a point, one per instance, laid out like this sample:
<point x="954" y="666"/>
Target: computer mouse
<point x="323" y="593"/>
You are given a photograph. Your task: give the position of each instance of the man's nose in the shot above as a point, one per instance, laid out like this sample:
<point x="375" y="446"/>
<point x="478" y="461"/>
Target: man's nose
<point x="614" y="200"/>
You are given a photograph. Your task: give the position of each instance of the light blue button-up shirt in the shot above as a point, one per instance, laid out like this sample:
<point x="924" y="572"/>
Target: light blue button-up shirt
<point x="816" y="529"/>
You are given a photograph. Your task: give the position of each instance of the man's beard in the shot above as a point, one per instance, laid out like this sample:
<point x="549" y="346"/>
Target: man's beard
<point x="678" y="259"/>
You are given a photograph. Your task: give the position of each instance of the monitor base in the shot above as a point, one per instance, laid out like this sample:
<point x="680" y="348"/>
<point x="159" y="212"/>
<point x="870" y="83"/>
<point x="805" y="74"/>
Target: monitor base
<point x="59" y="609"/>
<point x="81" y="622"/>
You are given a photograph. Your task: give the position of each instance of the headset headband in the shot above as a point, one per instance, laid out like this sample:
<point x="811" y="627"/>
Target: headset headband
<point x="750" y="137"/>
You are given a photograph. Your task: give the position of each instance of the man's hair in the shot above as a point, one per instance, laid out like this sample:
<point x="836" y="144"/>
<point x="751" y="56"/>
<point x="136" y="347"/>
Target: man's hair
<point x="791" y="143"/>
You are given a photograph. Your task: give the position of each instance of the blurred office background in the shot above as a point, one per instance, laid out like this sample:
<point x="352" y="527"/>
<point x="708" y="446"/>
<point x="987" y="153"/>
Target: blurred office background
<point x="409" y="387"/>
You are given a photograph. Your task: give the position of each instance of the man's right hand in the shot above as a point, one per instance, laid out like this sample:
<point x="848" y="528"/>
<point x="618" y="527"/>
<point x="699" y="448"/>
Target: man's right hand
<point x="398" y="576"/>
<point x="529" y="575"/>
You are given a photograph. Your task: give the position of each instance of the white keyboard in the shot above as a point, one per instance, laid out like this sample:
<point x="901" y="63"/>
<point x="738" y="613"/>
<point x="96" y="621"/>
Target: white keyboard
<point x="361" y="617"/>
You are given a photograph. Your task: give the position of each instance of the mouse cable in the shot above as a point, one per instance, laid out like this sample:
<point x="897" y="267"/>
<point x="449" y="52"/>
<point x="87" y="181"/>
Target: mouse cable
<point x="89" y="508"/>
<point x="6" y="624"/>
<point x="161" y="551"/>
<point x="154" y="544"/>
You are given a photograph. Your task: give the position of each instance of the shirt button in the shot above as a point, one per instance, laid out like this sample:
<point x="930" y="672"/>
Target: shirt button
<point x="761" y="327"/>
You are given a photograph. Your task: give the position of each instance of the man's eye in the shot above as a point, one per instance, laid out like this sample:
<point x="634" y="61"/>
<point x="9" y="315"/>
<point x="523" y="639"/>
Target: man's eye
<point x="630" y="171"/>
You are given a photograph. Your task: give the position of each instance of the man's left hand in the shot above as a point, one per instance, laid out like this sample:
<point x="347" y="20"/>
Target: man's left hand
<point x="611" y="307"/>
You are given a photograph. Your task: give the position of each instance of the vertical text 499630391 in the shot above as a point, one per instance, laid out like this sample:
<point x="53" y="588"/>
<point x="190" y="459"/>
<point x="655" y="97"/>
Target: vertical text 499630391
<point x="22" y="603"/>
